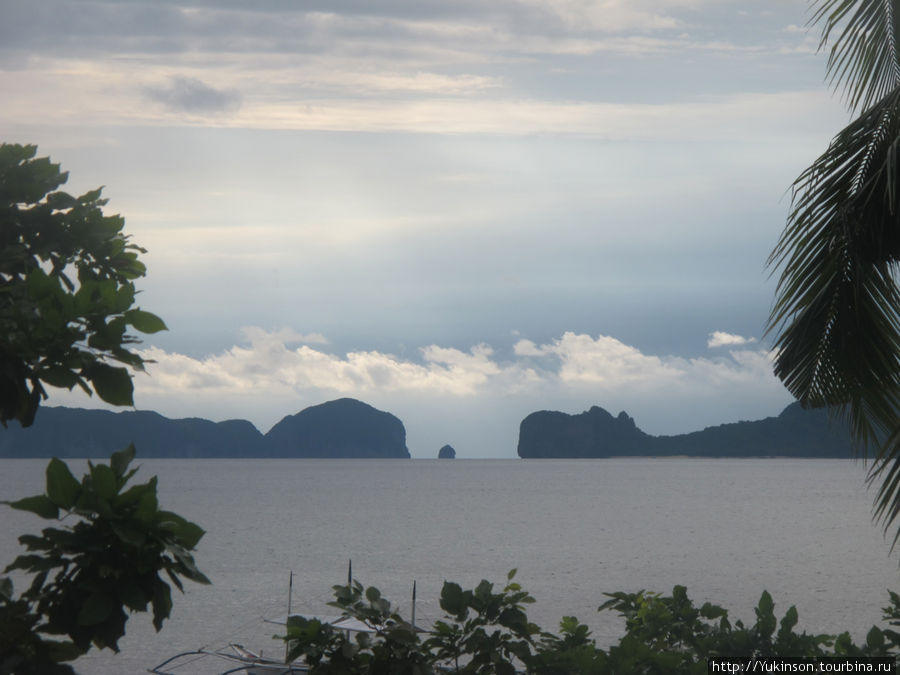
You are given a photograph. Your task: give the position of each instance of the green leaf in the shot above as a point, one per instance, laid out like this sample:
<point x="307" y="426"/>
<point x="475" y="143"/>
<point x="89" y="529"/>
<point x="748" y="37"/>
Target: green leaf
<point x="61" y="650"/>
<point x="32" y="563"/>
<point x="40" y="284"/>
<point x="145" y="321"/>
<point x="62" y="487"/>
<point x="120" y="460"/>
<point x="133" y="596"/>
<point x="59" y="376"/>
<point x="6" y="588"/>
<point x="765" y="615"/>
<point x="96" y="609"/>
<point x="789" y="620"/>
<point x="39" y="504"/>
<point x="130" y="535"/>
<point x="452" y="598"/>
<point x="162" y="603"/>
<point x="483" y="590"/>
<point x="875" y="639"/>
<point x="104" y="481"/>
<point x="187" y="533"/>
<point x="112" y="384"/>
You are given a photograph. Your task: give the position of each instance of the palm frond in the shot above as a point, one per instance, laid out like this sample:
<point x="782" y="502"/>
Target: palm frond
<point x="863" y="59"/>
<point x="885" y="471"/>
<point x="836" y="302"/>
<point x="837" y="306"/>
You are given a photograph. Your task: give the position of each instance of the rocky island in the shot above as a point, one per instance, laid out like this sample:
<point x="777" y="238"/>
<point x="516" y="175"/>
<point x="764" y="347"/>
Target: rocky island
<point x="796" y="432"/>
<point x="341" y="429"/>
<point x="345" y="428"/>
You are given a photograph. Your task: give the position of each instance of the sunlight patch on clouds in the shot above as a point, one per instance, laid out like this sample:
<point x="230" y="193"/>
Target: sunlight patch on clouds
<point x="603" y="360"/>
<point x="419" y="82"/>
<point x="722" y="339"/>
<point x="736" y="117"/>
<point x="107" y="99"/>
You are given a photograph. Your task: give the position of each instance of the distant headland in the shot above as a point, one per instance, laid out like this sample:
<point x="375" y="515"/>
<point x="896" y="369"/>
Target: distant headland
<point x="345" y="428"/>
<point x="796" y="432"/>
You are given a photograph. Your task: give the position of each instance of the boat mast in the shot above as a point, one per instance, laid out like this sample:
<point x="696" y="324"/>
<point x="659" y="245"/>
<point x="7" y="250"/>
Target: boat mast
<point x="290" y="592"/>
<point x="287" y="646"/>
<point x="414" y="607"/>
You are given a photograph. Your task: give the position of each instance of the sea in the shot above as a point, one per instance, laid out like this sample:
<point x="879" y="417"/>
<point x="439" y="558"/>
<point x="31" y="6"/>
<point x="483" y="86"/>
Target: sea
<point x="574" y="530"/>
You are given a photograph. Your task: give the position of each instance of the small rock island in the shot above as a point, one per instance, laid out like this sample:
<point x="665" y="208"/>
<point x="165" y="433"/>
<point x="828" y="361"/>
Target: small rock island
<point x="447" y="452"/>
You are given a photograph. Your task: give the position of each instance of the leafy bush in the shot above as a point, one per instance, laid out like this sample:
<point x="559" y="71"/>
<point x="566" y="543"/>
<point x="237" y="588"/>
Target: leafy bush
<point x="487" y="632"/>
<point x="87" y="574"/>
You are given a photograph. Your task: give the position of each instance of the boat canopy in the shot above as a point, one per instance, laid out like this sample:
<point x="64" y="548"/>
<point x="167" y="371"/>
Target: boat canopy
<point x="339" y="622"/>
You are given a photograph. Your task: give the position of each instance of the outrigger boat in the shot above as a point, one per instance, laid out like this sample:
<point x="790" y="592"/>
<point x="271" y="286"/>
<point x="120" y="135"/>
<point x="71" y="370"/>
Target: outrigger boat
<point x="248" y="662"/>
<point x="245" y="661"/>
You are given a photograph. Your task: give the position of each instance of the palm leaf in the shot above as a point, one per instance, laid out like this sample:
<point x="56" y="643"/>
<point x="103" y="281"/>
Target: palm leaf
<point x="863" y="58"/>
<point x="837" y="301"/>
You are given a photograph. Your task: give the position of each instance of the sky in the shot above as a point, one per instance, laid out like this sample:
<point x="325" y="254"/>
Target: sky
<point x="460" y="212"/>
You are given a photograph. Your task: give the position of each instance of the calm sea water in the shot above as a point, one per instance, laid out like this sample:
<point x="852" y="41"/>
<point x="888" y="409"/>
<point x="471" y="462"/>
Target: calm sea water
<point x="727" y="529"/>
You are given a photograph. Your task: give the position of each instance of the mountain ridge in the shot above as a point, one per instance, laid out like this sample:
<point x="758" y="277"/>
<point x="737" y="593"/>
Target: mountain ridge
<point x="347" y="428"/>
<point x="65" y="432"/>
<point x="595" y="433"/>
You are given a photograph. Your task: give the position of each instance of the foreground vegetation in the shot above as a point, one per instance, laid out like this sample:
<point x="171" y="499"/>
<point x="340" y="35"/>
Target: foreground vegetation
<point x="67" y="309"/>
<point x="87" y="576"/>
<point x="487" y="631"/>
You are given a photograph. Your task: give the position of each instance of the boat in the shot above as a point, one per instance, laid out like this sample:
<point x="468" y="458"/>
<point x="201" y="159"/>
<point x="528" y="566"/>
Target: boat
<point x="247" y="661"/>
<point x="243" y="660"/>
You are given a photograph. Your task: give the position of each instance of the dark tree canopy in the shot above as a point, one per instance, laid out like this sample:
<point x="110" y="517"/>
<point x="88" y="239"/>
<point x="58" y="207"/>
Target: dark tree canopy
<point x="66" y="290"/>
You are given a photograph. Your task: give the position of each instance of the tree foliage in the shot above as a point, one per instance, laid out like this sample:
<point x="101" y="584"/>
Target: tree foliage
<point x="66" y="290"/>
<point x="87" y="574"/>
<point x="66" y="305"/>
<point x="837" y="306"/>
<point x="489" y="632"/>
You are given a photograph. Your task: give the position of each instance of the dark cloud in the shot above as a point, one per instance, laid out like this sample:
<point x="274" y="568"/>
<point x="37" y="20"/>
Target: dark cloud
<point x="188" y="94"/>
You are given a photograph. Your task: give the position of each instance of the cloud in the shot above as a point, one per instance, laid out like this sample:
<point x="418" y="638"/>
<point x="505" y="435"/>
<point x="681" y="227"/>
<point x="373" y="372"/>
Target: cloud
<point x="467" y="68"/>
<point x="267" y="363"/>
<point x="292" y="99"/>
<point x="721" y="339"/>
<point x="601" y="360"/>
<point x="610" y="16"/>
<point x="282" y="336"/>
<point x="191" y="95"/>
